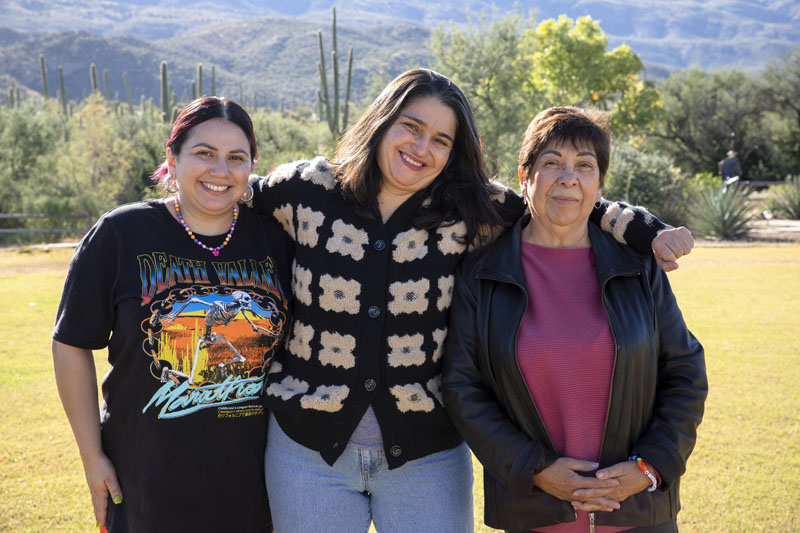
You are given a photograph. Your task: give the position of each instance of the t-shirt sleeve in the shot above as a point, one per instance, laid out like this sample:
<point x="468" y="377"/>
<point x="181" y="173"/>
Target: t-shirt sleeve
<point x="86" y="313"/>
<point x="628" y="224"/>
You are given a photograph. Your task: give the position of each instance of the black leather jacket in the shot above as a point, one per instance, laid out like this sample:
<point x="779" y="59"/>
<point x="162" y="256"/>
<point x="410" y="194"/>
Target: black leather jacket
<point x="658" y="387"/>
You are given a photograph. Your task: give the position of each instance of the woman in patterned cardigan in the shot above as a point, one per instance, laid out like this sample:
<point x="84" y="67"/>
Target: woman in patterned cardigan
<point x="357" y="421"/>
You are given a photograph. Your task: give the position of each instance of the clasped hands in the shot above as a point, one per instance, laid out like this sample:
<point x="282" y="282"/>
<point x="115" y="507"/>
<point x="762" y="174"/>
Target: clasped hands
<point x="602" y="492"/>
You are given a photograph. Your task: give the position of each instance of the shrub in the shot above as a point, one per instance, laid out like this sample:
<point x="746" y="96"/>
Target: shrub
<point x="648" y="179"/>
<point x="721" y="214"/>
<point x="285" y="138"/>
<point x="784" y="200"/>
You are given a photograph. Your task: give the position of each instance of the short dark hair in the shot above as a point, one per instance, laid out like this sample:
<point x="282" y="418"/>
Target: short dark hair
<point x="567" y="124"/>
<point x="199" y="111"/>
<point x="463" y="188"/>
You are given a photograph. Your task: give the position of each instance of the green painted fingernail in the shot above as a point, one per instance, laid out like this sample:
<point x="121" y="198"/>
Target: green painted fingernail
<point x="118" y="500"/>
<point x="97" y="525"/>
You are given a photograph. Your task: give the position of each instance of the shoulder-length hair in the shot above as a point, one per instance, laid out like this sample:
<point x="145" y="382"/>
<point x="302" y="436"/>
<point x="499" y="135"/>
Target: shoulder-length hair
<point x="461" y="192"/>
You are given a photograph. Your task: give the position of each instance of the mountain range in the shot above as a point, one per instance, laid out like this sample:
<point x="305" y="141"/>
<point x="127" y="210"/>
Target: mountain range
<point x="270" y="48"/>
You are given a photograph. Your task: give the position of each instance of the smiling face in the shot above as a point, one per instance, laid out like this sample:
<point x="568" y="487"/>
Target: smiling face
<point x="211" y="171"/>
<point x="416" y="147"/>
<point x="561" y="188"/>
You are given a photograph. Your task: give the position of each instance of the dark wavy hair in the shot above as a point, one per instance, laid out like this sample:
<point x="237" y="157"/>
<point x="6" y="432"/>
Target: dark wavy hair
<point x="199" y="111"/>
<point x="461" y="192"/>
<point x="588" y="127"/>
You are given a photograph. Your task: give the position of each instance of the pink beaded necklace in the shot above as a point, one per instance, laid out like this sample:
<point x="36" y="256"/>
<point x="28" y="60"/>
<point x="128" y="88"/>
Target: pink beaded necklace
<point x="197" y="241"/>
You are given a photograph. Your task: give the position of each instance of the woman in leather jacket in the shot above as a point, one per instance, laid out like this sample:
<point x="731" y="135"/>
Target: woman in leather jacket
<point x="568" y="368"/>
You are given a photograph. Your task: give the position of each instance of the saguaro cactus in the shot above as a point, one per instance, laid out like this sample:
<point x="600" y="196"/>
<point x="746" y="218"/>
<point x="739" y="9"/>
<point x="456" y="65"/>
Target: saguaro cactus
<point x="106" y="88"/>
<point x="330" y="103"/>
<point x="347" y="92"/>
<point x="199" y="80"/>
<point x="213" y="81"/>
<point x="93" y="76"/>
<point x="43" y="68"/>
<point x="62" y="91"/>
<point x="127" y="91"/>
<point x="165" y="107"/>
<point x="323" y="83"/>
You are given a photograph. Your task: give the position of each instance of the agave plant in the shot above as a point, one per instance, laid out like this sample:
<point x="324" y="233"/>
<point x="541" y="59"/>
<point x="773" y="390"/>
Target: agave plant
<point x="722" y="214"/>
<point x="784" y="200"/>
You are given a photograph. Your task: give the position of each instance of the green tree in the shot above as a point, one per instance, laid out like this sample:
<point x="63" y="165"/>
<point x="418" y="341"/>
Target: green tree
<point x="28" y="134"/>
<point x="146" y="142"/>
<point x="570" y="66"/>
<point x="511" y="69"/>
<point x="701" y="111"/>
<point x="484" y="60"/>
<point x="95" y="166"/>
<point x="781" y="83"/>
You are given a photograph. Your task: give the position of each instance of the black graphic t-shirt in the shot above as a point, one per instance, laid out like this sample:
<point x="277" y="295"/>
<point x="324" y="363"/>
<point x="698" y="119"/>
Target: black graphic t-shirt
<point x="189" y="338"/>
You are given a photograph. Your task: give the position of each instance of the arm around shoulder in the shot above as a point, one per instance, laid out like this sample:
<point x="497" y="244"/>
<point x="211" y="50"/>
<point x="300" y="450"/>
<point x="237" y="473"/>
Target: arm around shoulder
<point x="637" y="227"/>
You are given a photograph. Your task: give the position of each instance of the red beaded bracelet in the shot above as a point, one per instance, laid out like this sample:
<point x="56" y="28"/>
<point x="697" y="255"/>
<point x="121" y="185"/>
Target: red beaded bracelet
<point x="643" y="468"/>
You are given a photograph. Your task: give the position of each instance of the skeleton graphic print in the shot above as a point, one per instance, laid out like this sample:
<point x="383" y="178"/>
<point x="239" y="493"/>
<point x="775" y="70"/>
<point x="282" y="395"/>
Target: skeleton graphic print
<point x="221" y="315"/>
<point x="210" y="342"/>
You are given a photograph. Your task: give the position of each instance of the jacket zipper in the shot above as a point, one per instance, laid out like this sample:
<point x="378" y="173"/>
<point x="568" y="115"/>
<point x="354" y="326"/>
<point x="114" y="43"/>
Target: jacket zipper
<point x="516" y="359"/>
<point x="616" y="355"/>
<point x="611" y="387"/>
<point x="613" y="371"/>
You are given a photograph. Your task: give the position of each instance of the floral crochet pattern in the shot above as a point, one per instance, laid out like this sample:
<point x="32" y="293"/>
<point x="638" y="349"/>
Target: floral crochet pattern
<point x="409" y="296"/>
<point x="339" y="294"/>
<point x="347" y="240"/>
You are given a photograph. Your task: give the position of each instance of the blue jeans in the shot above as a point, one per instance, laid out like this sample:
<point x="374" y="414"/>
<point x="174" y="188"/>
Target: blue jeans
<point x="306" y="495"/>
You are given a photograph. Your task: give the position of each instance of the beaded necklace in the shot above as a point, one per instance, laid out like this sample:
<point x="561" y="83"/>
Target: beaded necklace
<point x="197" y="241"/>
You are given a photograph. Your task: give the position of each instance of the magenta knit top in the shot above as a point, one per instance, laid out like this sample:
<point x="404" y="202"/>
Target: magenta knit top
<point x="565" y="350"/>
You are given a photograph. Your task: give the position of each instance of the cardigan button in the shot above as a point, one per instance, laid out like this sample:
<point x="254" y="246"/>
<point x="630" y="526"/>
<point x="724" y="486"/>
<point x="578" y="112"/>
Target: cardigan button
<point x="379" y="245"/>
<point x="370" y="385"/>
<point x="396" y="451"/>
<point x="374" y="311"/>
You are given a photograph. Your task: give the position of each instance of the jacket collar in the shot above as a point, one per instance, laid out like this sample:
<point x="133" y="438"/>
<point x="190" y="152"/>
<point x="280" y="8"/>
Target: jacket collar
<point x="503" y="260"/>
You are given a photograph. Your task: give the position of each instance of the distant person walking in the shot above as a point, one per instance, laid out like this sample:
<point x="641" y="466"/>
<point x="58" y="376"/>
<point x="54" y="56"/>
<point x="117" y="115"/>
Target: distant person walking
<point x="729" y="169"/>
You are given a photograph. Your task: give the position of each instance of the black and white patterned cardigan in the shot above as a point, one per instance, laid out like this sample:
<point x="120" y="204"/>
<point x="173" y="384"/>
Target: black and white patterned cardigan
<point x="370" y="313"/>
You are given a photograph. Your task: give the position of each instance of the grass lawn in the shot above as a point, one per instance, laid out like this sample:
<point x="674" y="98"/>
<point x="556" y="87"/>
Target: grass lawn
<point x="743" y="303"/>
